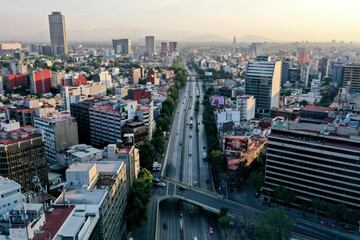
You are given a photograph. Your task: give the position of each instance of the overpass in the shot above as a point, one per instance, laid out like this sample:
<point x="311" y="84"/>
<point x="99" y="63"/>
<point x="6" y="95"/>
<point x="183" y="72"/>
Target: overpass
<point x="213" y="202"/>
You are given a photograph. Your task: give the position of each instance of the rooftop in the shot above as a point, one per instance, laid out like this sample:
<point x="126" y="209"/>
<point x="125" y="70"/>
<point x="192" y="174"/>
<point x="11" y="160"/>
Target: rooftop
<point x="57" y="117"/>
<point x="54" y="220"/>
<point x="316" y="108"/>
<point x="83" y="196"/>
<point x="106" y="108"/>
<point x="8" y="185"/>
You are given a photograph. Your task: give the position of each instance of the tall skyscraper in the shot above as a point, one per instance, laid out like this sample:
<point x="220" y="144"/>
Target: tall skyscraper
<point x="149" y="46"/>
<point x="351" y="78"/>
<point x="58" y="39"/>
<point x="122" y="46"/>
<point x="173" y="46"/>
<point x="263" y="82"/>
<point x="164" y="47"/>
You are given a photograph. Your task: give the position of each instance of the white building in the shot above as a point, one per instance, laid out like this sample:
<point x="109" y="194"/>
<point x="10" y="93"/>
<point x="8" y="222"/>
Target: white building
<point x="82" y="153"/>
<point x="59" y="131"/>
<point x="246" y="105"/>
<point x="106" y="79"/>
<point x="10" y="192"/>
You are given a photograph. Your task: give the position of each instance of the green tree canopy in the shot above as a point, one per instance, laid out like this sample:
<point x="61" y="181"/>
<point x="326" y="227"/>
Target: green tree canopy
<point x="274" y="225"/>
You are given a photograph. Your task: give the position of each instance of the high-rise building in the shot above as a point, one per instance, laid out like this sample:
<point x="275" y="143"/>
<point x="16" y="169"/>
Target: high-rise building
<point x="323" y="66"/>
<point x="314" y="161"/>
<point x="106" y="79"/>
<point x="99" y="190"/>
<point x="105" y="125"/>
<point x="16" y="80"/>
<point x="149" y="46"/>
<point x="58" y="39"/>
<point x="164" y="47"/>
<point x="263" y="82"/>
<point x="122" y="46"/>
<point x="303" y="56"/>
<point x="285" y="72"/>
<point x="59" y="131"/>
<point x="40" y="81"/>
<point x="81" y="112"/>
<point x="153" y="77"/>
<point x="22" y="154"/>
<point x="173" y="46"/>
<point x="351" y="78"/>
<point x="135" y="75"/>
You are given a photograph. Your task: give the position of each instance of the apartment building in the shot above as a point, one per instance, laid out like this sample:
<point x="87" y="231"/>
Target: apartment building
<point x="315" y="161"/>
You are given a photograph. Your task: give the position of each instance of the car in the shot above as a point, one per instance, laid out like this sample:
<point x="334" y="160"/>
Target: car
<point x="190" y="136"/>
<point x="195" y="238"/>
<point x="191" y="213"/>
<point x="195" y="183"/>
<point x="190" y="154"/>
<point x="161" y="184"/>
<point x="165" y="226"/>
<point x="204" y="147"/>
<point x="211" y="230"/>
<point x="182" y="188"/>
<point x="156" y="180"/>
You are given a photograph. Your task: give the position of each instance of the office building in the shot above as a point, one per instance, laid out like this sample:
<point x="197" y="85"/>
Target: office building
<point x="122" y="46"/>
<point x="263" y="82"/>
<point x="323" y="66"/>
<point x="149" y="46"/>
<point x="173" y="47"/>
<point x="303" y="56"/>
<point x="285" y="72"/>
<point x="40" y="81"/>
<point x="314" y="161"/>
<point x="351" y="78"/>
<point x="22" y="154"/>
<point x="105" y="125"/>
<point x="164" y="47"/>
<point x="59" y="131"/>
<point x="81" y="112"/>
<point x="58" y="38"/>
<point x="99" y="188"/>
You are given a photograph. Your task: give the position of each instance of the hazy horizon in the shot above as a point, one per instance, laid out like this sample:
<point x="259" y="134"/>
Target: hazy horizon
<point x="280" y="20"/>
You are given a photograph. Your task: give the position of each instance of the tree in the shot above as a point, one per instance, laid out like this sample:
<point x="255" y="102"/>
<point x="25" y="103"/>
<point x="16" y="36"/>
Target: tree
<point x="284" y="194"/>
<point x="147" y="155"/>
<point x="216" y="158"/>
<point x="274" y="224"/>
<point x="304" y="103"/>
<point x="257" y="180"/>
<point x="163" y="122"/>
<point x="158" y="142"/>
<point x="318" y="205"/>
<point x="138" y="199"/>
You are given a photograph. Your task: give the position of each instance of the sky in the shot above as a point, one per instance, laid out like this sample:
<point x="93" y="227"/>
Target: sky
<point x="281" y="20"/>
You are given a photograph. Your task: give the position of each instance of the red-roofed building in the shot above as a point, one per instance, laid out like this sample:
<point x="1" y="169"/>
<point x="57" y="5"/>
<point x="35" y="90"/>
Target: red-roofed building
<point x="40" y="81"/>
<point x="16" y="80"/>
<point x="79" y="80"/>
<point x="152" y="77"/>
<point x="138" y="94"/>
<point x="54" y="220"/>
<point x="241" y="150"/>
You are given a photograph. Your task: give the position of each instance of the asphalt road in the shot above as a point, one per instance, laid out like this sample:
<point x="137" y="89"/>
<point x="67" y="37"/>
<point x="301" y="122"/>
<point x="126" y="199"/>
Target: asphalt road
<point x="184" y="163"/>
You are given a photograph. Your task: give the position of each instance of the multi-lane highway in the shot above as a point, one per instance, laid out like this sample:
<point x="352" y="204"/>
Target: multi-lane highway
<point x="184" y="163"/>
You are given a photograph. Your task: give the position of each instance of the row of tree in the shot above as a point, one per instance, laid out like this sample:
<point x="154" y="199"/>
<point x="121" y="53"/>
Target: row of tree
<point x="274" y="224"/>
<point x="138" y="199"/>
<point x="154" y="149"/>
<point x="338" y="212"/>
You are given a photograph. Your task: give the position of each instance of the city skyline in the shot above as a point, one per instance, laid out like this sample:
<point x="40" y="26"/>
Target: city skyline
<point x="185" y="20"/>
